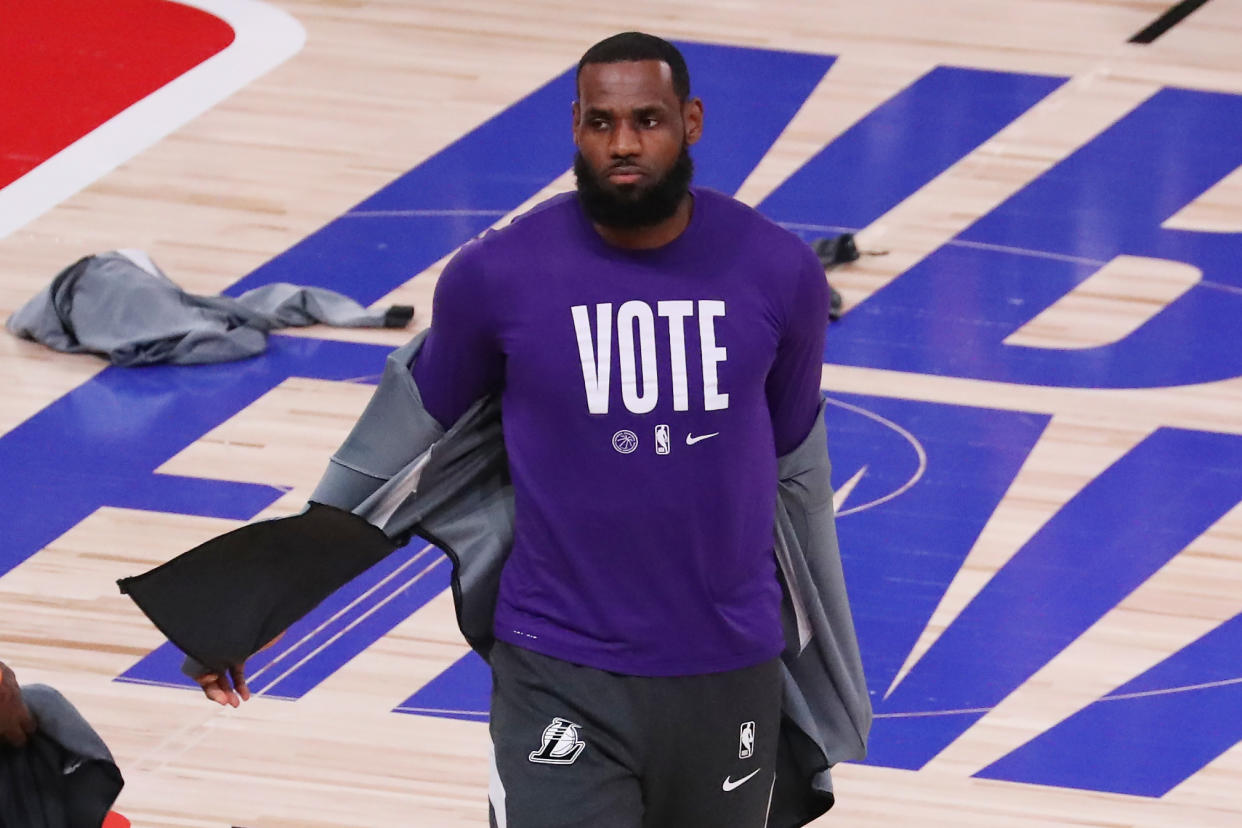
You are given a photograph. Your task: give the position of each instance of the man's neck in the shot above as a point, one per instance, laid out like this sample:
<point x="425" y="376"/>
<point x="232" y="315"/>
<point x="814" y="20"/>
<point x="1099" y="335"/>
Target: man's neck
<point x="649" y="238"/>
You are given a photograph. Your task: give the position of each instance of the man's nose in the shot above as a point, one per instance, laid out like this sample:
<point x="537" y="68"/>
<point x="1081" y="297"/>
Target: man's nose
<point x="625" y="141"/>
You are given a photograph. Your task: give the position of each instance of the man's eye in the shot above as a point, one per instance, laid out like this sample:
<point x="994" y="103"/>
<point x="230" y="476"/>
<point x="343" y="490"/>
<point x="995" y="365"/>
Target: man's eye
<point x="599" y="124"/>
<point x="650" y="123"/>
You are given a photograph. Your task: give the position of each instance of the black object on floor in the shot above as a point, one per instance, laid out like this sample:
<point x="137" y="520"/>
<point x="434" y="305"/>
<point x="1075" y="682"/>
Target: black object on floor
<point x="833" y="251"/>
<point x="1175" y="14"/>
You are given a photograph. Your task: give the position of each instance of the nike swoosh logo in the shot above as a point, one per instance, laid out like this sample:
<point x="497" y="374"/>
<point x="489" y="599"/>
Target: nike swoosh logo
<point x="729" y="784"/>
<point x="691" y="439"/>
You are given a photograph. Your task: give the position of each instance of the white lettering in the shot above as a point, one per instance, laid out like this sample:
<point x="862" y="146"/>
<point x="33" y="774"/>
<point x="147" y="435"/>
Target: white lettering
<point x="638" y="402"/>
<point x="596" y="362"/>
<point x="676" y="313"/>
<point x="636" y="353"/>
<point x="709" y="309"/>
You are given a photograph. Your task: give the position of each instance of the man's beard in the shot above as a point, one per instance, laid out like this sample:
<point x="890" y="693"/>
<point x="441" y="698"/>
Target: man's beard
<point x="627" y="210"/>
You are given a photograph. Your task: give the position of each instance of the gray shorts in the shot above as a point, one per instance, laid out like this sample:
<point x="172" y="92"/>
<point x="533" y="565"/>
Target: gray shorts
<point x="575" y="747"/>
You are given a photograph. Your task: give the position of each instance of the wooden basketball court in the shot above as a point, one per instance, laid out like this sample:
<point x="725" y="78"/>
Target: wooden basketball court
<point x="1036" y="417"/>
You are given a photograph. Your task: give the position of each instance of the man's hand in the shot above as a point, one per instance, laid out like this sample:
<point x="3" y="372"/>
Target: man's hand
<point x="226" y="688"/>
<point x="16" y="723"/>
<point x="229" y="688"/>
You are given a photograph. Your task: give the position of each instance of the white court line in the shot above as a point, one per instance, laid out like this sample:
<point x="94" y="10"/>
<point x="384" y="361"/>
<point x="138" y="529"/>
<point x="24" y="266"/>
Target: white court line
<point x="170" y="685"/>
<point x="910" y="438"/>
<point x="155" y="683"/>
<point x="421" y="213"/>
<point x="922" y="714"/>
<point x="998" y="248"/>
<point x="1001" y="248"/>
<point x="264" y="37"/>
<point x="1219" y="286"/>
<point x="353" y="624"/>
<point x="828" y="228"/>
<point x="289" y="650"/>
<point x="1026" y="251"/>
<point x="1167" y="691"/>
<point x="439" y="710"/>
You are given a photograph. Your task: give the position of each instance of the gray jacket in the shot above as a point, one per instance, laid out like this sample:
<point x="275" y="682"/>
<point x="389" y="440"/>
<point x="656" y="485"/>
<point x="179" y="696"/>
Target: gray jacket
<point x="120" y="305"/>
<point x="402" y="472"/>
<point x="64" y="777"/>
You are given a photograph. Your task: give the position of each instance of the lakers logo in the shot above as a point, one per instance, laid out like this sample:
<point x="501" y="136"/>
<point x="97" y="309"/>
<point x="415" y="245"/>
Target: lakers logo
<point x="561" y="744"/>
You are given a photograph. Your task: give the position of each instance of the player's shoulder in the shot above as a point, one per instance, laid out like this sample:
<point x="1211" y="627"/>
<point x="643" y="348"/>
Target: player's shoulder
<point x="747" y="227"/>
<point x="528" y="231"/>
<point x="492" y="262"/>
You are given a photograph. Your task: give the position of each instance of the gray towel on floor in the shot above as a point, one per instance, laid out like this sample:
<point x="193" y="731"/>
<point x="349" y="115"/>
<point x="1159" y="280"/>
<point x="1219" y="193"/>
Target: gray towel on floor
<point x="120" y="305"/>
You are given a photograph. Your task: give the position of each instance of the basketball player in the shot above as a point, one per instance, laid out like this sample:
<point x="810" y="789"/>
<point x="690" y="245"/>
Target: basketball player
<point x="16" y="723"/>
<point x="656" y="347"/>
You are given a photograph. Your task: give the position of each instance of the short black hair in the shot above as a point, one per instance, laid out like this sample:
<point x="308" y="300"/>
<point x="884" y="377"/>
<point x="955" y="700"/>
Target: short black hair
<point x="629" y="46"/>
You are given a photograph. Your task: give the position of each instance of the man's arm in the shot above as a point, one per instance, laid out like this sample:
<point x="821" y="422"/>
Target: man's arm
<point x="458" y="363"/>
<point x="793" y="382"/>
<point x="16" y="723"/>
<point x="461" y="359"/>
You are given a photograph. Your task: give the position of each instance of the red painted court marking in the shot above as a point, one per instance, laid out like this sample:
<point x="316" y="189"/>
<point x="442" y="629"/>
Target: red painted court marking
<point x="115" y="820"/>
<point x="71" y="65"/>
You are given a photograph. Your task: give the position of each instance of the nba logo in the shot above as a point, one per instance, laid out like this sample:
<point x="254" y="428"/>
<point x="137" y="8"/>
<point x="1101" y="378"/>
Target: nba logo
<point x="661" y="439"/>
<point x="746" y="741"/>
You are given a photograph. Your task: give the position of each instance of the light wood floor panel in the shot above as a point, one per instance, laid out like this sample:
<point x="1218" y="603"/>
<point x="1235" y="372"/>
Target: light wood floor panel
<point x="380" y="86"/>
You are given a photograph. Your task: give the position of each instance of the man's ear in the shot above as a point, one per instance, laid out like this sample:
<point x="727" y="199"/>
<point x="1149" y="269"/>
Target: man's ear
<point x="575" y="123"/>
<point x="692" y="117"/>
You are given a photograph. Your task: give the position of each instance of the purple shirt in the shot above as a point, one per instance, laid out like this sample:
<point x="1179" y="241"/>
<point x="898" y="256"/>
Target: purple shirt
<point x="646" y="396"/>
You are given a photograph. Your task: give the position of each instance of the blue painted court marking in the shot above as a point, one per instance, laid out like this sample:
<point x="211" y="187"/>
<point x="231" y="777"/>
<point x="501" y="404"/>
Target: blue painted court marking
<point x="463" y="691"/>
<point x="1107" y="199"/>
<point x="1147" y="736"/>
<point x="1095" y="551"/>
<point x="749" y="97"/>
<point x="956" y="307"/>
<point x="849" y="487"/>
<point x="900" y="556"/>
<point x="439" y="205"/>
<point x="903" y="144"/>
<point x="99" y="444"/>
